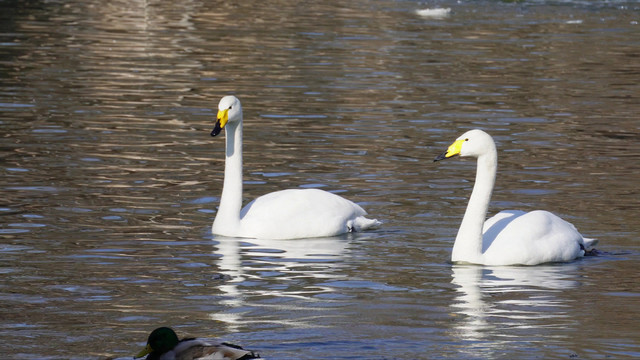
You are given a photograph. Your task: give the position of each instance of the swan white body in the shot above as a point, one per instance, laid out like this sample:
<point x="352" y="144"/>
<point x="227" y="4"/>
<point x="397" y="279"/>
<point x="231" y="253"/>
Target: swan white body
<point x="285" y="214"/>
<point x="510" y="237"/>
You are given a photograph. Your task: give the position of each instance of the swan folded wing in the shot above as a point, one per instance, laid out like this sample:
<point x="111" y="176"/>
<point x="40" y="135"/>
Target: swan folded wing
<point x="530" y="238"/>
<point x="496" y="224"/>
<point x="299" y="213"/>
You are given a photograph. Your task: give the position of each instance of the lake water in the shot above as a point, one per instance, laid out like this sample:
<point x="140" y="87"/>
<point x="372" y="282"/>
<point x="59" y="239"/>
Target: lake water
<point x="111" y="180"/>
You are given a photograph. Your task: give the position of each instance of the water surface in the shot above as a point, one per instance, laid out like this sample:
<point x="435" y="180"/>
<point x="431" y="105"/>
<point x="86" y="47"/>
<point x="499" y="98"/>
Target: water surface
<point x="111" y="180"/>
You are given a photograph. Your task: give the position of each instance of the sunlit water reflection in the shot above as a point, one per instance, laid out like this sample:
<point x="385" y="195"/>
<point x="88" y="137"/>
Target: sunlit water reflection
<point x="521" y="304"/>
<point x="294" y="265"/>
<point x="111" y="180"/>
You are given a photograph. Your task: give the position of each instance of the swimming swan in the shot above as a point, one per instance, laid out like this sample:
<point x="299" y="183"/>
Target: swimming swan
<point x="510" y="237"/>
<point x="285" y="214"/>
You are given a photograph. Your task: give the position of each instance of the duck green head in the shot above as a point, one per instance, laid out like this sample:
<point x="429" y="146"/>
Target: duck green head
<point x="160" y="341"/>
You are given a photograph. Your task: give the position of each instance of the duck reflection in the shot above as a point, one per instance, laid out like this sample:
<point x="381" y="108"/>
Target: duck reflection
<point x="496" y="303"/>
<point x="281" y="270"/>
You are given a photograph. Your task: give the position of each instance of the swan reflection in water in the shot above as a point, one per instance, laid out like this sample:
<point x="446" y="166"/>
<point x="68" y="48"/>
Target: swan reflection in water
<point x="503" y="303"/>
<point x="282" y="270"/>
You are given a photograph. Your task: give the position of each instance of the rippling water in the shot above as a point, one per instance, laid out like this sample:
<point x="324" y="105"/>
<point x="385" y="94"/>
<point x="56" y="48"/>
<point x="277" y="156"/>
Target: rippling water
<point x="111" y="180"/>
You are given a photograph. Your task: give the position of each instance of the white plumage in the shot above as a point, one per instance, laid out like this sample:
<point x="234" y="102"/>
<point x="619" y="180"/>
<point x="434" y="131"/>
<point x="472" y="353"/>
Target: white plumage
<point x="510" y="237"/>
<point x="285" y="214"/>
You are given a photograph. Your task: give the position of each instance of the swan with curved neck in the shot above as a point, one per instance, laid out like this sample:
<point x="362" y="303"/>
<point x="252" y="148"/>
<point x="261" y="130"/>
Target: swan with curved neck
<point x="285" y="214"/>
<point x="511" y="237"/>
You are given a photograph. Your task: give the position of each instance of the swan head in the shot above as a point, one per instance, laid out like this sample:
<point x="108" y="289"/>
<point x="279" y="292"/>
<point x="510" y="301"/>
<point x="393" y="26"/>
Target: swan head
<point x="229" y="111"/>
<point x="472" y="143"/>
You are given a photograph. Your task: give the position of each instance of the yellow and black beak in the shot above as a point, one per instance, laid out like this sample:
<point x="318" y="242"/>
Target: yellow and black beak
<point x="221" y="121"/>
<point x="145" y="351"/>
<point x="453" y="150"/>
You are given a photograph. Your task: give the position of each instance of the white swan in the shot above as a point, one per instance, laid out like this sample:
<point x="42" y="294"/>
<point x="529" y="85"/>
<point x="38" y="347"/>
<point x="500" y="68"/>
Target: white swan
<point x="285" y="214"/>
<point x="510" y="237"/>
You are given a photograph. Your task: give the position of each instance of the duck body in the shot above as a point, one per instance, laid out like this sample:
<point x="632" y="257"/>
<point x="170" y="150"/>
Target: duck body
<point x="163" y="344"/>
<point x="285" y="214"/>
<point x="201" y="349"/>
<point x="511" y="237"/>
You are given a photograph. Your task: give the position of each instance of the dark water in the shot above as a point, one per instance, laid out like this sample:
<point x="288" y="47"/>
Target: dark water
<point x="111" y="180"/>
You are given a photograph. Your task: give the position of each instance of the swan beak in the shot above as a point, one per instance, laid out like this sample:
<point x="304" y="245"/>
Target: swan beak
<point x="453" y="150"/>
<point x="145" y="351"/>
<point x="221" y="121"/>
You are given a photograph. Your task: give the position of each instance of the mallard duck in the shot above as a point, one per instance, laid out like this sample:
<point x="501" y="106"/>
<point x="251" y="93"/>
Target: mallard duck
<point x="511" y="237"/>
<point x="284" y="214"/>
<point x="163" y="344"/>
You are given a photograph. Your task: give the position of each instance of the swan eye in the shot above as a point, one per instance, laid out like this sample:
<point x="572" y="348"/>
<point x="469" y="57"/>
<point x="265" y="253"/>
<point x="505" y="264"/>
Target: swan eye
<point x="230" y="107"/>
<point x="467" y="139"/>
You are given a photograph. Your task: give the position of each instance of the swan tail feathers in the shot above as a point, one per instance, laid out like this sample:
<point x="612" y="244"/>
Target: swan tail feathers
<point x="589" y="243"/>
<point x="362" y="223"/>
<point x="588" y="247"/>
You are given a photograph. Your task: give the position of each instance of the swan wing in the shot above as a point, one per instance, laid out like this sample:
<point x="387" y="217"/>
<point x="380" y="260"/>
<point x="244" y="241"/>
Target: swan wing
<point x="301" y="213"/>
<point x="499" y="221"/>
<point x="530" y="238"/>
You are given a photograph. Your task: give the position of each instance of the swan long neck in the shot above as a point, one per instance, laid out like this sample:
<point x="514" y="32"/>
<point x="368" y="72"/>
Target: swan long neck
<point x="231" y="199"/>
<point x="468" y="244"/>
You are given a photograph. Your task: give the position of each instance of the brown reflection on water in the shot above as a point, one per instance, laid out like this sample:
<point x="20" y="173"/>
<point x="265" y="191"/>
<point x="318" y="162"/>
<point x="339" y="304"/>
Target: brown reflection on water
<point x="111" y="179"/>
